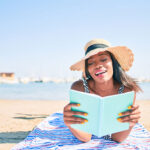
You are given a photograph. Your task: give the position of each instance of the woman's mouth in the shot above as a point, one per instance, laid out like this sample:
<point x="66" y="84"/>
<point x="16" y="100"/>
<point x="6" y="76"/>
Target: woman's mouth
<point x="100" y="73"/>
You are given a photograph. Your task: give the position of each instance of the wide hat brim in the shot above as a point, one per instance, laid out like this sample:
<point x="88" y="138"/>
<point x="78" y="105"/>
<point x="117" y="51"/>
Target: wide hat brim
<point x="122" y="54"/>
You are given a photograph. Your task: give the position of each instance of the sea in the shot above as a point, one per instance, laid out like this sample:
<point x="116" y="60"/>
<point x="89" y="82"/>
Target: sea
<point x="50" y="91"/>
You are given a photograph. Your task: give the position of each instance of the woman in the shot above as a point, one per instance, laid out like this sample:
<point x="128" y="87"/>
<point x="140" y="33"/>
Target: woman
<point x="104" y="74"/>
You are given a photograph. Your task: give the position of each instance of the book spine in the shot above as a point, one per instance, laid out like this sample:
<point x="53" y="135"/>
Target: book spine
<point x="100" y="117"/>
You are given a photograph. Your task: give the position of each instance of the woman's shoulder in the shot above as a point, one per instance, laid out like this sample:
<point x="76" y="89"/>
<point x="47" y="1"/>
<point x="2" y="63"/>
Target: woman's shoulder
<point x="126" y="89"/>
<point x="78" y="85"/>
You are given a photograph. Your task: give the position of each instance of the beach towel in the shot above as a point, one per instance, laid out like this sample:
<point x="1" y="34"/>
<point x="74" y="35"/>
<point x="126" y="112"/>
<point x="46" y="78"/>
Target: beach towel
<point x="53" y="134"/>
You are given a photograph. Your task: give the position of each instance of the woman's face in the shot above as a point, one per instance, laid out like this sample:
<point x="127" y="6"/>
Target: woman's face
<point x="100" y="67"/>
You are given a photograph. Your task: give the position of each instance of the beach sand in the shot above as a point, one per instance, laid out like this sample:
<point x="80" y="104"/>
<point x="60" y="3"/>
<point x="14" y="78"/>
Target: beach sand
<point x="19" y="117"/>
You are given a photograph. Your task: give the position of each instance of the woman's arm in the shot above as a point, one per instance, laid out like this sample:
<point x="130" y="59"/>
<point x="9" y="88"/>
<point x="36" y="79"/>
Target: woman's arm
<point x="70" y="119"/>
<point x="82" y="136"/>
<point x="132" y="116"/>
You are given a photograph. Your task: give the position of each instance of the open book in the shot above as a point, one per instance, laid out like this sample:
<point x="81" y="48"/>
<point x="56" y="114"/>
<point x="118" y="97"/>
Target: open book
<point x="102" y="112"/>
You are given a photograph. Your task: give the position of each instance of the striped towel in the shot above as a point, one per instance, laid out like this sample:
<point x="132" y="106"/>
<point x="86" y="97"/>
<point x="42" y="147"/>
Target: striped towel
<point x="53" y="134"/>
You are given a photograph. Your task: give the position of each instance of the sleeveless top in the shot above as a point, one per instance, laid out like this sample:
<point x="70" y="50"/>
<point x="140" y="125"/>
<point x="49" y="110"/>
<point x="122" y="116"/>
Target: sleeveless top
<point x="85" y="84"/>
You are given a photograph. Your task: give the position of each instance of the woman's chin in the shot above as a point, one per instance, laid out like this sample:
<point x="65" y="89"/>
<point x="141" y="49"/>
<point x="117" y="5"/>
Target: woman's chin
<point x="102" y="79"/>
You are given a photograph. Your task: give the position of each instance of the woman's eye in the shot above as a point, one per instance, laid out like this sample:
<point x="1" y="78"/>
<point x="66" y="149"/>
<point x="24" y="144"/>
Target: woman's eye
<point x="90" y="63"/>
<point x="102" y="60"/>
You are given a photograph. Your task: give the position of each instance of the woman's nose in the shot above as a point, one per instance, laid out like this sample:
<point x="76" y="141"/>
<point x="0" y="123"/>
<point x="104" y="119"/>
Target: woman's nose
<point x="98" y="65"/>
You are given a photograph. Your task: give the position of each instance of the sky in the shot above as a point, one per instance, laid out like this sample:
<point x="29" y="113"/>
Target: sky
<point x="43" y="38"/>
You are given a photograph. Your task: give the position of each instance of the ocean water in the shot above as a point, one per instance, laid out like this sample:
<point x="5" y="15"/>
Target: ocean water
<point x="49" y="91"/>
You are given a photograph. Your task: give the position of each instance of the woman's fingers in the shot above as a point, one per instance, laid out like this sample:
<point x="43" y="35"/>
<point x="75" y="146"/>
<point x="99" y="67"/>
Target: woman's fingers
<point x="71" y="113"/>
<point x="132" y="116"/>
<point x="129" y="118"/>
<point x="68" y="107"/>
<point x="134" y="109"/>
<point x="70" y="119"/>
<point x="68" y="122"/>
<point x="76" y="119"/>
<point x="130" y="113"/>
<point x="134" y="106"/>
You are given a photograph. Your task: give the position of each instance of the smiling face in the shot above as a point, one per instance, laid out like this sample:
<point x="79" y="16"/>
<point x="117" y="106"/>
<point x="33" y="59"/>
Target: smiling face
<point x="100" y="67"/>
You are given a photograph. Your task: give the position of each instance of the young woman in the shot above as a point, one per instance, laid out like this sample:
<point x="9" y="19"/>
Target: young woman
<point x="104" y="74"/>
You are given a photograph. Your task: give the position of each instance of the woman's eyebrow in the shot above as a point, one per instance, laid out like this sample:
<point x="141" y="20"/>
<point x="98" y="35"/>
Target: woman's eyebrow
<point x="102" y="54"/>
<point x="89" y="58"/>
<point x="98" y="55"/>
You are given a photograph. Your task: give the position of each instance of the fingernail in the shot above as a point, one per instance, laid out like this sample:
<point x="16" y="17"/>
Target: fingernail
<point x="85" y="120"/>
<point x="78" y="104"/>
<point x="119" y="119"/>
<point x="85" y="114"/>
<point x="129" y="107"/>
<point x="120" y="114"/>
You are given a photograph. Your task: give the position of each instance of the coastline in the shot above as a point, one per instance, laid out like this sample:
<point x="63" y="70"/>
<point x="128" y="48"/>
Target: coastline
<point x="19" y="117"/>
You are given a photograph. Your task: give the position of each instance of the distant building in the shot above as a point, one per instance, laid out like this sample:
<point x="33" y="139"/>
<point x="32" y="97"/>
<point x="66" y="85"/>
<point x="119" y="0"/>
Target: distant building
<point x="7" y="75"/>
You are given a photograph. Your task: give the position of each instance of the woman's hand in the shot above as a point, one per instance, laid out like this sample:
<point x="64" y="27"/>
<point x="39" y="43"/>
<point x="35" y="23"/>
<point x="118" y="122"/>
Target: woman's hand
<point x="132" y="116"/>
<point x="69" y="118"/>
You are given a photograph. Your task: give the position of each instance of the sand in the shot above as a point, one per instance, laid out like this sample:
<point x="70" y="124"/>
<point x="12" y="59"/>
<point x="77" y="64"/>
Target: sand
<point x="19" y="117"/>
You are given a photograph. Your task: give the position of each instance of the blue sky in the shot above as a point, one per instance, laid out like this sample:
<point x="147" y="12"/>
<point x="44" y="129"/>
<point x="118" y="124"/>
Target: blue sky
<point x="44" y="37"/>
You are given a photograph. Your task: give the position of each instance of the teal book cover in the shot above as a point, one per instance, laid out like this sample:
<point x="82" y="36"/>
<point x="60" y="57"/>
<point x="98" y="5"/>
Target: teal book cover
<point x="102" y="112"/>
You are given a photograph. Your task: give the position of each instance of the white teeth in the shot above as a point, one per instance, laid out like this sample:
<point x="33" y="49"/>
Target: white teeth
<point x="100" y="72"/>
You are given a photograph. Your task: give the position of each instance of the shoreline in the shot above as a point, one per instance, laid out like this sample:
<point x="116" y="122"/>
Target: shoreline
<point x="19" y="117"/>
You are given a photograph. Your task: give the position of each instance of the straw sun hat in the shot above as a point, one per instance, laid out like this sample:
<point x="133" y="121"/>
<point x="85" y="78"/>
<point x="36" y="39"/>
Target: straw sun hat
<point x="122" y="54"/>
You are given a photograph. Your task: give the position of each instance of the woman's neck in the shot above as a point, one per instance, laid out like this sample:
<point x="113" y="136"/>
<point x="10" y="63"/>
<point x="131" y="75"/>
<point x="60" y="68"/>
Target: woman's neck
<point x="105" y="88"/>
